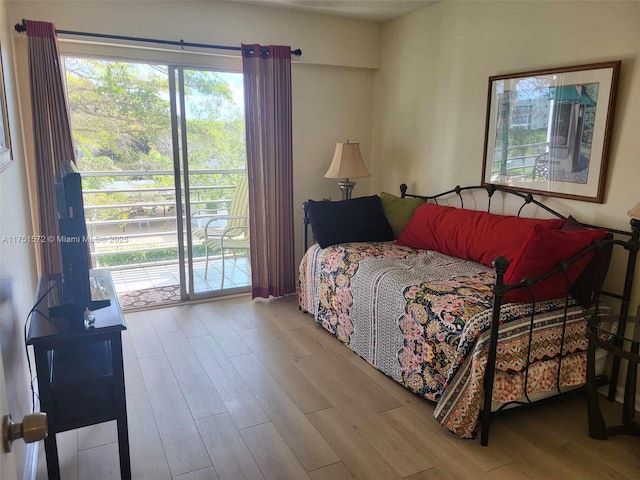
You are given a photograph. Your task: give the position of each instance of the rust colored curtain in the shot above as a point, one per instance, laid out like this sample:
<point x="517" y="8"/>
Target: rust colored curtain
<point x="267" y="93"/>
<point x="51" y="131"/>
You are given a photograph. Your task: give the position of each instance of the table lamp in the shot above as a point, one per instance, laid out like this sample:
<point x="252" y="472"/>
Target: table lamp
<point x="347" y="163"/>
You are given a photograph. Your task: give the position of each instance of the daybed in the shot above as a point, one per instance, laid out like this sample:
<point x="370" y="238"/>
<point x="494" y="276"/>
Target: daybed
<point x="466" y="308"/>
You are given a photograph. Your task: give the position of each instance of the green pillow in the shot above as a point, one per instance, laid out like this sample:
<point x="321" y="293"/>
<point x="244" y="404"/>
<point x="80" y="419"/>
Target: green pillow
<point x="399" y="210"/>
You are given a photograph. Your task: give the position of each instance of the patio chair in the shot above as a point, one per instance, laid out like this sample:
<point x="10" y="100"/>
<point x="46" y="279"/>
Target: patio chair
<point x="224" y="230"/>
<point x="541" y="167"/>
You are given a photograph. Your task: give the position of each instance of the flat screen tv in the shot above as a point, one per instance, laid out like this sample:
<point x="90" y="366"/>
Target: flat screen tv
<point x="73" y="293"/>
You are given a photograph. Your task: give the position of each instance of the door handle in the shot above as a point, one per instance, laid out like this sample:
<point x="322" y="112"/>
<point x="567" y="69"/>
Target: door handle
<point x="33" y="428"/>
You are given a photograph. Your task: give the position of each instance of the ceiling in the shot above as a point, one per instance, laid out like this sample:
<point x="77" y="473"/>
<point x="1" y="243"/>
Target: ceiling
<point x="373" y="10"/>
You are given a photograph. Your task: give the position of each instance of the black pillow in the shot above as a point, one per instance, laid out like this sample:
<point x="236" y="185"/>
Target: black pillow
<point x="588" y="285"/>
<point x="357" y="220"/>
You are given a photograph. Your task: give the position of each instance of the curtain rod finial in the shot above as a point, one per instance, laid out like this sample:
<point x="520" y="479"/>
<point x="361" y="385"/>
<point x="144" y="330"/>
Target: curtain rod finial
<point x="297" y="52"/>
<point x="21" y="27"/>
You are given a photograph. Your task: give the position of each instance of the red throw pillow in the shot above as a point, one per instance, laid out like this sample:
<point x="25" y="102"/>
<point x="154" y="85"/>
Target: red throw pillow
<point x="588" y="285"/>
<point x="469" y="234"/>
<point x="543" y="251"/>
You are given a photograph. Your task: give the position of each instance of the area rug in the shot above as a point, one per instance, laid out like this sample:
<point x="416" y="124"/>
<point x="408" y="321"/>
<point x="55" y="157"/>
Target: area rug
<point x="149" y="297"/>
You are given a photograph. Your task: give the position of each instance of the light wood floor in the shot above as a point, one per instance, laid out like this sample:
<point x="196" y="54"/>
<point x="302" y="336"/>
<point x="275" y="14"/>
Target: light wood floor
<point x="236" y="389"/>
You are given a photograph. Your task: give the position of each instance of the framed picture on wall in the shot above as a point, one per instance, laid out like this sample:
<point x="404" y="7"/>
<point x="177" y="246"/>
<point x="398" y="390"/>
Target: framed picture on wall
<point x="5" y="138"/>
<point x="549" y="131"/>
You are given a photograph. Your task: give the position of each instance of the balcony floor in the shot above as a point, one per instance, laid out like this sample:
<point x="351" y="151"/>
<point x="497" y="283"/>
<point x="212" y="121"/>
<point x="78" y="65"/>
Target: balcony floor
<point x="237" y="274"/>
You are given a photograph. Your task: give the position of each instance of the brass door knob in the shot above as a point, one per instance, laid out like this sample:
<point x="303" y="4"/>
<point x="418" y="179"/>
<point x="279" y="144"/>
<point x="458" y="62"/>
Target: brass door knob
<point x="32" y="429"/>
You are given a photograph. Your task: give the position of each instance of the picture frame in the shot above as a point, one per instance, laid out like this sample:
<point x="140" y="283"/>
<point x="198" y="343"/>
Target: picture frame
<point x="6" y="156"/>
<point x="549" y="131"/>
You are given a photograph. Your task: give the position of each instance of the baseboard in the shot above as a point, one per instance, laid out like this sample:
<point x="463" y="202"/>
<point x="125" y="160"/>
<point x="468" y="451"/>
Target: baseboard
<point x="31" y="461"/>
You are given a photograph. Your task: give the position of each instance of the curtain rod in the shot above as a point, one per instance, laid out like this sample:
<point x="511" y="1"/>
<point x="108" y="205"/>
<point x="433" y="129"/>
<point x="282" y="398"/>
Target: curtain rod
<point x="22" y="27"/>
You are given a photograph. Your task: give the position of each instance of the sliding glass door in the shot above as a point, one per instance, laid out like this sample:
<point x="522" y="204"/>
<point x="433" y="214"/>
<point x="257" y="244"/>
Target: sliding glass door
<point x="210" y="173"/>
<point x="161" y="150"/>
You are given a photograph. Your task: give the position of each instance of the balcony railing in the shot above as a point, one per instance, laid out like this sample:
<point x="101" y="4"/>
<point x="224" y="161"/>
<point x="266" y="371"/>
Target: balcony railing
<point x="138" y="224"/>
<point x="521" y="158"/>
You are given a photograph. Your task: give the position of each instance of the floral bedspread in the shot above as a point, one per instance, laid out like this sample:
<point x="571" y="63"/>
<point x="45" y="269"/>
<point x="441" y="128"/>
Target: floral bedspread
<point x="423" y="319"/>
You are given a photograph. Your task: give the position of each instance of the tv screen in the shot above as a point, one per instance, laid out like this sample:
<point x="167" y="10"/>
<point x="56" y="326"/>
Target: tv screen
<point x="75" y="293"/>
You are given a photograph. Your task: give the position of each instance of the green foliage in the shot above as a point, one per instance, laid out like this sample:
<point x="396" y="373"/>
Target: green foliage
<point x="105" y="199"/>
<point x="590" y="111"/>
<point x="117" y="109"/>
<point x="120" y="118"/>
<point x="523" y="136"/>
<point x="207" y="94"/>
<point x="120" y="111"/>
<point x="132" y="258"/>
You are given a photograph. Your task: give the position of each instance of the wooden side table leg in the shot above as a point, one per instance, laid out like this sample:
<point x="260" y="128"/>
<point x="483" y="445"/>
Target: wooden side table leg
<point x="123" y="448"/>
<point x="46" y="405"/>
<point x="51" y="452"/>
<point x="121" y="408"/>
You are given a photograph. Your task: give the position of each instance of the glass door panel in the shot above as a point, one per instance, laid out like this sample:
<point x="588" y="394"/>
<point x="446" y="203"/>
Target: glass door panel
<point x="213" y="189"/>
<point x="121" y="129"/>
<point x="162" y="153"/>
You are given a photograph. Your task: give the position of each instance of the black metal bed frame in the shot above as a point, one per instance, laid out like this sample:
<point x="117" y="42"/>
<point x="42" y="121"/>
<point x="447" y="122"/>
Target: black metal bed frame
<point x="501" y="264"/>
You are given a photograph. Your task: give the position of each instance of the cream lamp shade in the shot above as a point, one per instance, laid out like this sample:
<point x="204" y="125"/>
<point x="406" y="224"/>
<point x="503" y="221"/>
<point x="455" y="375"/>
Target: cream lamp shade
<point x="347" y="163"/>
<point x="635" y="212"/>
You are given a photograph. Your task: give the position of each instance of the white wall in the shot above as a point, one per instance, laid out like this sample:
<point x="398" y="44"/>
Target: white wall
<point x="431" y="92"/>
<point x="332" y="81"/>
<point x="323" y="39"/>
<point x="17" y="260"/>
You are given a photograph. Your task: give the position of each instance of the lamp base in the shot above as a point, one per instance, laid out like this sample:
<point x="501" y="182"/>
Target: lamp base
<point x="346" y="188"/>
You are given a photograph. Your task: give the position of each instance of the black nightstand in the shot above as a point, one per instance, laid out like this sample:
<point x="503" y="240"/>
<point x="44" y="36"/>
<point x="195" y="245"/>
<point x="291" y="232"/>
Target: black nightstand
<point x="80" y="373"/>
